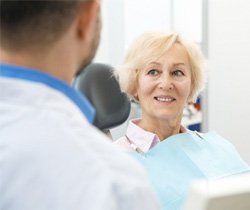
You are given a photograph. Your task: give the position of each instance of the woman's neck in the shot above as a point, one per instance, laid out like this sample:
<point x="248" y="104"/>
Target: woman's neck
<point x="162" y="128"/>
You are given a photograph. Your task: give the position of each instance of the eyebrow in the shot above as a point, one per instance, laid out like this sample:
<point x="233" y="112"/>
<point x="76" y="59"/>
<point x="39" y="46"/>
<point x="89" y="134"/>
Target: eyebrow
<point x="159" y="64"/>
<point x="180" y="64"/>
<point x="154" y="63"/>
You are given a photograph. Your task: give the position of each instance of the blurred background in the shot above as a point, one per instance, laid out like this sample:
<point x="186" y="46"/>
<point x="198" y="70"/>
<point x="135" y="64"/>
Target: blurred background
<point x="221" y="28"/>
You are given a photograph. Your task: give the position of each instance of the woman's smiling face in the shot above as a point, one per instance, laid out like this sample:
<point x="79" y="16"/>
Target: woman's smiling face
<point x="164" y="86"/>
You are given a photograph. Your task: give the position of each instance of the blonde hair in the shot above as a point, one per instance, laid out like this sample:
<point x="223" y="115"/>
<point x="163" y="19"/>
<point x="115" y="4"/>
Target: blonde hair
<point x="149" y="47"/>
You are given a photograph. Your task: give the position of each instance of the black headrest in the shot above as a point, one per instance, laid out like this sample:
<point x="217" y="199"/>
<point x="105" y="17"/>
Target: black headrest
<point x="98" y="84"/>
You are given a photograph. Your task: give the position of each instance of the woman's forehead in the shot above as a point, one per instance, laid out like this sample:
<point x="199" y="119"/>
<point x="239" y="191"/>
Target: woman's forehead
<point x="179" y="57"/>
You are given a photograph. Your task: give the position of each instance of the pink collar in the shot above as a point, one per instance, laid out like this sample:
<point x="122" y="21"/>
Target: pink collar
<point x="145" y="140"/>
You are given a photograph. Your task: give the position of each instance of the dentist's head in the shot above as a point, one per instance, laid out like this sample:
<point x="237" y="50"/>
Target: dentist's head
<point x="56" y="37"/>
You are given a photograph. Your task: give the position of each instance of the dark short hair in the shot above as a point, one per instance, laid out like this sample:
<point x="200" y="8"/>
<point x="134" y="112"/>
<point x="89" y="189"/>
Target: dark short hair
<point x="25" y="23"/>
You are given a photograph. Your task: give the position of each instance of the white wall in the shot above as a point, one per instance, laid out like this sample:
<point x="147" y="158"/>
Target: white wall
<point x="145" y="15"/>
<point x="112" y="43"/>
<point x="187" y="19"/>
<point x="124" y="20"/>
<point x="229" y="67"/>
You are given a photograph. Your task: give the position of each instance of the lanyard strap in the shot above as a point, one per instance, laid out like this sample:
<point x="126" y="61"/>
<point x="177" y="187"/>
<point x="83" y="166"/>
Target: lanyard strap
<point x="133" y="146"/>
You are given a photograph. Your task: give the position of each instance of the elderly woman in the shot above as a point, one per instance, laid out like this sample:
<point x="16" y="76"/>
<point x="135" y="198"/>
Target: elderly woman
<point x="165" y="72"/>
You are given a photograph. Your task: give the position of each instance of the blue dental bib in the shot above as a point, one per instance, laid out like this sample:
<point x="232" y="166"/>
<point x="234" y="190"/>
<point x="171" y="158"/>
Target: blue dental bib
<point x="180" y="159"/>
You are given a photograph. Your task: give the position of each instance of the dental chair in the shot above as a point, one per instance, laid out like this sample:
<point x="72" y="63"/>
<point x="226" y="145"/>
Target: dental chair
<point x="101" y="88"/>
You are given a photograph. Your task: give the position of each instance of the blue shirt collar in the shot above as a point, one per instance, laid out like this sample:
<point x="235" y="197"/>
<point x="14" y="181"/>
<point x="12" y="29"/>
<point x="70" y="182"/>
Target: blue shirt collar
<point x="19" y="72"/>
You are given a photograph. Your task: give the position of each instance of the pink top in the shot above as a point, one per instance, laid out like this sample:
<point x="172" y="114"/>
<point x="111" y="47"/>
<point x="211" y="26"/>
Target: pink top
<point x="141" y="139"/>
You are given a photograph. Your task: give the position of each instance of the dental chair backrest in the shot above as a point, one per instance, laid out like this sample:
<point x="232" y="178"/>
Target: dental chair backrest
<point x="101" y="88"/>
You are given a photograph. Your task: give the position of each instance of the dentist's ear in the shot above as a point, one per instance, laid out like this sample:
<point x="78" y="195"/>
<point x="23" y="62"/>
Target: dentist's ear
<point x="88" y="15"/>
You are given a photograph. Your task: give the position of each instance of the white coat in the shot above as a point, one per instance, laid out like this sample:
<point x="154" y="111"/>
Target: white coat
<point x="52" y="158"/>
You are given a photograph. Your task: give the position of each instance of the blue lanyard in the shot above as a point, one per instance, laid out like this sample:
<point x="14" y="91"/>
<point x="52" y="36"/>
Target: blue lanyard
<point x="7" y="70"/>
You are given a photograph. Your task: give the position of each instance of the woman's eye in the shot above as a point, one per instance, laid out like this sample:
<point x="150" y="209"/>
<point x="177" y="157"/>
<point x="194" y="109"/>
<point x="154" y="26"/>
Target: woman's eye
<point x="178" y="73"/>
<point x="153" y="72"/>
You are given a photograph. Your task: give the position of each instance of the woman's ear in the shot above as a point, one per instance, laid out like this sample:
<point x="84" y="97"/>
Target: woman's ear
<point x="191" y="97"/>
<point x="135" y="94"/>
<point x="190" y="100"/>
<point x="136" y="97"/>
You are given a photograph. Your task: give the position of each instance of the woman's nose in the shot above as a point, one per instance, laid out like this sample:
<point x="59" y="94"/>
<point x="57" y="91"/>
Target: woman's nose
<point x="165" y="83"/>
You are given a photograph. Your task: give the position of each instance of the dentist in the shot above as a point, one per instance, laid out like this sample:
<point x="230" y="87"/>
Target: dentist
<point x="51" y="157"/>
